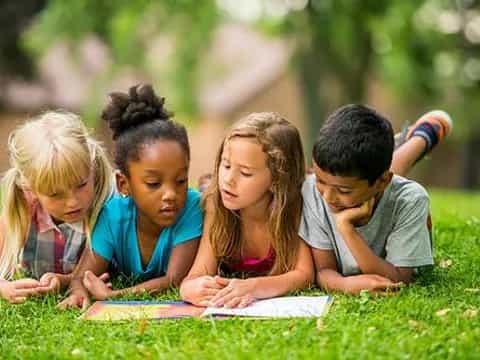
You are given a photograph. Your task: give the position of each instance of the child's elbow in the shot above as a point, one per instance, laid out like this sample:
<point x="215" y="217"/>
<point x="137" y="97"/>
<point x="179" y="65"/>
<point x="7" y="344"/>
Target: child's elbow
<point x="307" y="278"/>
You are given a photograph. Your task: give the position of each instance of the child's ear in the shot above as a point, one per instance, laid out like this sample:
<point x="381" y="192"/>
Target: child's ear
<point x="122" y="183"/>
<point x="384" y="180"/>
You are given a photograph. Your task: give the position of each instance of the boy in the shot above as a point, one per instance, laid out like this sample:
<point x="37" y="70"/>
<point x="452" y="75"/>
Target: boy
<point x="367" y="227"/>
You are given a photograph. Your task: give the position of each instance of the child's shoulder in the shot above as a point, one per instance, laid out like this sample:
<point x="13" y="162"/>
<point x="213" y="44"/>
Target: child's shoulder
<point x="193" y="198"/>
<point x="406" y="197"/>
<point x="407" y="190"/>
<point x="192" y="213"/>
<point x="192" y="203"/>
<point x="308" y="187"/>
<point x="118" y="207"/>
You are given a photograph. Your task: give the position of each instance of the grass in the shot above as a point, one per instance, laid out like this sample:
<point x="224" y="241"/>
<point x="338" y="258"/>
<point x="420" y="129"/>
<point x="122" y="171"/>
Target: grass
<point x="409" y="325"/>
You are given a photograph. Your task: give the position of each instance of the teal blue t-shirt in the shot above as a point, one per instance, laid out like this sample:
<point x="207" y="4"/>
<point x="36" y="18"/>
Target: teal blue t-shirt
<point x="115" y="236"/>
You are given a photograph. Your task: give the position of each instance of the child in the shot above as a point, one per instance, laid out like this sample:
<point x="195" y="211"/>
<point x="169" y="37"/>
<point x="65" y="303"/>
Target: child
<point x="151" y="229"/>
<point x="253" y="210"/>
<point x="368" y="228"/>
<point x="52" y="194"/>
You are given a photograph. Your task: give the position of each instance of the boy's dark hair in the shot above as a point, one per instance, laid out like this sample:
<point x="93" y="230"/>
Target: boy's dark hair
<point x="355" y="141"/>
<point x="139" y="118"/>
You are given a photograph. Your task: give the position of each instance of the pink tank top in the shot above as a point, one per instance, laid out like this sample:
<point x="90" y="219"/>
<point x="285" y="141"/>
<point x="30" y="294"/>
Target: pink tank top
<point x="254" y="265"/>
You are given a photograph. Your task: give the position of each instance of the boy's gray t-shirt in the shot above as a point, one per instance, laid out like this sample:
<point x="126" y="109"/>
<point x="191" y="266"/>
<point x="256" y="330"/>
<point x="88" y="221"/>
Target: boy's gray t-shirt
<point x="397" y="231"/>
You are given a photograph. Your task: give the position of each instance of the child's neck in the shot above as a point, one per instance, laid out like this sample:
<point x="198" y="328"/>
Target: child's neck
<point x="147" y="228"/>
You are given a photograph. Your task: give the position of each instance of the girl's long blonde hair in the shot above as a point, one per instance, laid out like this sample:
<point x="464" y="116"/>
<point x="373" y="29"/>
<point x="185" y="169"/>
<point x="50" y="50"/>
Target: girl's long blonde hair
<point x="281" y="143"/>
<point x="51" y="153"/>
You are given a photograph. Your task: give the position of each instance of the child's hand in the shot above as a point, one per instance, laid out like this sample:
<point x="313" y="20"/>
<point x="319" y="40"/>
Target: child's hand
<point x="203" y="289"/>
<point x="356" y="215"/>
<point x="50" y="283"/>
<point x="236" y="293"/>
<point x="371" y="282"/>
<point x="16" y="292"/>
<point x="97" y="285"/>
<point x="79" y="298"/>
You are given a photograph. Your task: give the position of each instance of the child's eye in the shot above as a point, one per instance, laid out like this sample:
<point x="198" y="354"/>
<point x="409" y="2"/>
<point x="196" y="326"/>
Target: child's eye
<point x="82" y="184"/>
<point x="153" y="185"/>
<point x="56" y="195"/>
<point x="245" y="174"/>
<point x="181" y="181"/>
<point x="344" y="192"/>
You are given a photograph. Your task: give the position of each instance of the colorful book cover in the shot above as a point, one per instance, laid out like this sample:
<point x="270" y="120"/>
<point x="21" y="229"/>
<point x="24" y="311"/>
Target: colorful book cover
<point x="281" y="307"/>
<point x="134" y="310"/>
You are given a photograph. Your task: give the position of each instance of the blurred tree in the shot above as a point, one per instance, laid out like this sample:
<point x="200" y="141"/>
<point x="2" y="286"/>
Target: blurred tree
<point x="425" y="51"/>
<point x="129" y="28"/>
<point x="14" y="19"/>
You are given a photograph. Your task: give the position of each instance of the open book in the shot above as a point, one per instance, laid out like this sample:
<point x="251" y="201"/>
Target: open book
<point x="281" y="307"/>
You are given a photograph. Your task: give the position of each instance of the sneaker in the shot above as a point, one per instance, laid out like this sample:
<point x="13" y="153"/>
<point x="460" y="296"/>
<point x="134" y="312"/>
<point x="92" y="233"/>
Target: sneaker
<point x="437" y="120"/>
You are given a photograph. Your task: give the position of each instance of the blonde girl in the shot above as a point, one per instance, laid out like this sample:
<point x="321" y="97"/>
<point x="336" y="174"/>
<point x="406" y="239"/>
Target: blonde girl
<point x="253" y="209"/>
<point x="51" y="196"/>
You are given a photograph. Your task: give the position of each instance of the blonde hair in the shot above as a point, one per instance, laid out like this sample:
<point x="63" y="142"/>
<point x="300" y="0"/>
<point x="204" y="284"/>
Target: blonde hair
<point x="281" y="143"/>
<point x="51" y="153"/>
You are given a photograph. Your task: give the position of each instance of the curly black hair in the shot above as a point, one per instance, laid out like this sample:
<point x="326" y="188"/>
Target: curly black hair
<point x="138" y="118"/>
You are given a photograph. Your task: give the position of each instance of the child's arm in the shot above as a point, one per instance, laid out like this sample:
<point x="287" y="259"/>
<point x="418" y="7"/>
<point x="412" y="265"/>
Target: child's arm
<point x="240" y="293"/>
<point x="89" y="261"/>
<point x="368" y="261"/>
<point x="330" y="279"/>
<point x="180" y="261"/>
<point x="54" y="282"/>
<point x="17" y="291"/>
<point x="200" y="286"/>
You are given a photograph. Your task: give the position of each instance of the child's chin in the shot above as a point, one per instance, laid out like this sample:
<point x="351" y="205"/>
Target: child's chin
<point x="166" y="222"/>
<point x="230" y="206"/>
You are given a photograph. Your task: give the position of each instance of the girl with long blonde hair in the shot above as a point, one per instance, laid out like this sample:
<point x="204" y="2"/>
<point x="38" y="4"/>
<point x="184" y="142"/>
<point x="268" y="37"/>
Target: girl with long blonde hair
<point x="51" y="197"/>
<point x="253" y="209"/>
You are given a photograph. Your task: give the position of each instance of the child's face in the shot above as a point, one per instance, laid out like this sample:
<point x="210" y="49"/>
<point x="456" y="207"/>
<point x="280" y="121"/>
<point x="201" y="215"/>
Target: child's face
<point x="244" y="179"/>
<point x="69" y="206"/>
<point x="344" y="192"/>
<point x="158" y="182"/>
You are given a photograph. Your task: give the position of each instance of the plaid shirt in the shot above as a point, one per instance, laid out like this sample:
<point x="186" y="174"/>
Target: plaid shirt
<point x="50" y="247"/>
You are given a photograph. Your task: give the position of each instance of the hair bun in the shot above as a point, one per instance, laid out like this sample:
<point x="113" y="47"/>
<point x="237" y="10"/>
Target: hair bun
<point x="139" y="106"/>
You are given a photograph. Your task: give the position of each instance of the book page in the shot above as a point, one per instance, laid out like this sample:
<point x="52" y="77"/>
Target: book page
<point x="281" y="307"/>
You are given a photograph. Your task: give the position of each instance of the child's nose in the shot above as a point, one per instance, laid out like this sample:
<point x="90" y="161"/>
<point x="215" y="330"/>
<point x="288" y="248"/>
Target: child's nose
<point x="169" y="194"/>
<point x="229" y="177"/>
<point x="72" y="200"/>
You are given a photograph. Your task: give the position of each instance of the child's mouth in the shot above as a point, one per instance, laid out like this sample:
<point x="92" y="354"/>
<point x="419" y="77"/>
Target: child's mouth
<point x="73" y="213"/>
<point x="168" y="211"/>
<point x="228" y="194"/>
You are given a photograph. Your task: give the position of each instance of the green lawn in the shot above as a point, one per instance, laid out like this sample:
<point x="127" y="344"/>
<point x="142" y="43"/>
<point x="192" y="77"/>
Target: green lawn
<point x="408" y="325"/>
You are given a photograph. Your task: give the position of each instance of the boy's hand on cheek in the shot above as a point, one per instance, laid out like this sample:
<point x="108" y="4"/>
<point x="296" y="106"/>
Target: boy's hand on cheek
<point x="236" y="293"/>
<point x="355" y="216"/>
<point x="97" y="285"/>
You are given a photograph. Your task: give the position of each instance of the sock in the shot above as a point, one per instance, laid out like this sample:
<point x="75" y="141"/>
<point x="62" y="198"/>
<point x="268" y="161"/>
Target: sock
<point x="428" y="132"/>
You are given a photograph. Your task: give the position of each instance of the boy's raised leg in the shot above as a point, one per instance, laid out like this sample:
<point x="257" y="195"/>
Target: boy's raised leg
<point x="429" y="130"/>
